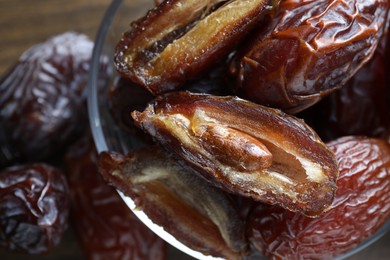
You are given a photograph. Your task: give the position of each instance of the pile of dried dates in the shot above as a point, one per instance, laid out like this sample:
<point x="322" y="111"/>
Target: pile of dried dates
<point x="49" y="178"/>
<point x="265" y="124"/>
<point x="263" y="129"/>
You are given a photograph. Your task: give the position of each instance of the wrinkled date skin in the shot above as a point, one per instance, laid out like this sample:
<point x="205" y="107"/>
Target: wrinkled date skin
<point x="41" y="98"/>
<point x="34" y="207"/>
<point x="172" y="196"/>
<point x="360" y="207"/>
<point x="105" y="226"/>
<point x="179" y="39"/>
<point x="245" y="148"/>
<point x="308" y="50"/>
<point x="361" y="107"/>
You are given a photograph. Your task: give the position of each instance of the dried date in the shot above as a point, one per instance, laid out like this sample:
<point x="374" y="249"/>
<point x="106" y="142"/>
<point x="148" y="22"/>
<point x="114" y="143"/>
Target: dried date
<point x="360" y="107"/>
<point x="245" y="148"/>
<point x="360" y="207"/>
<point x="42" y="98"/>
<point x="179" y="39"/>
<point x="308" y="50"/>
<point x="195" y="213"/>
<point x="34" y="207"/>
<point x="105" y="226"/>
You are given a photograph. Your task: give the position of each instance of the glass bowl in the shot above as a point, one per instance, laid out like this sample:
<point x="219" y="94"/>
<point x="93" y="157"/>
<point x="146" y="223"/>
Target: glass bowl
<point x="108" y="136"/>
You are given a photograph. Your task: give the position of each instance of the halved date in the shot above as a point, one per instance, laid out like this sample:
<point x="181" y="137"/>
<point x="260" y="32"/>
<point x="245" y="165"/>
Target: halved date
<point x="197" y="214"/>
<point x="309" y="49"/>
<point x="360" y="207"/>
<point x="178" y="39"/>
<point x="245" y="148"/>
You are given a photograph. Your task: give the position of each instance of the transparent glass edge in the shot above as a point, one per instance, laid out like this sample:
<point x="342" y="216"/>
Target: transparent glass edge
<point x="93" y="107"/>
<point x="162" y="233"/>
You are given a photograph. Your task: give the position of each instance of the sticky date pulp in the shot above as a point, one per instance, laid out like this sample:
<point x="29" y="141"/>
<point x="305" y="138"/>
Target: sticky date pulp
<point x="245" y="148"/>
<point x="34" y="207"/>
<point x="360" y="207"/>
<point x="105" y="226"/>
<point x="308" y="50"/>
<point x="174" y="197"/>
<point x="42" y="98"/>
<point x="179" y="39"/>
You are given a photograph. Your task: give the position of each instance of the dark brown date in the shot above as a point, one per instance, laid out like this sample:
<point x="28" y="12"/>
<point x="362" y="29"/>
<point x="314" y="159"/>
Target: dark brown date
<point x="179" y="39"/>
<point x="198" y="215"/>
<point x="245" y="148"/>
<point x="124" y="97"/>
<point x="42" y="98"/>
<point x="308" y="50"/>
<point x="105" y="226"/>
<point x="360" y="207"/>
<point x="361" y="107"/>
<point x="34" y="207"/>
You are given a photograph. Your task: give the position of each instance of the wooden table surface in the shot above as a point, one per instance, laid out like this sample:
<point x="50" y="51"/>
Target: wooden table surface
<point x="24" y="23"/>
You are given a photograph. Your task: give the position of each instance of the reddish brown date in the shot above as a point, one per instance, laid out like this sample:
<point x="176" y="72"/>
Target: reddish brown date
<point x="105" y="226"/>
<point x="308" y="50"/>
<point x="42" y="96"/>
<point x="179" y="39"/>
<point x="361" y="206"/>
<point x="34" y="207"/>
<point x="361" y="107"/>
<point x="172" y="196"/>
<point x="245" y="148"/>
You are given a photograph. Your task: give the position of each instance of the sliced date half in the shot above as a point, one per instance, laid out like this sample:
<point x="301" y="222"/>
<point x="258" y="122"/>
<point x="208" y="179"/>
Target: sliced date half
<point x="178" y="39"/>
<point x="245" y="148"/>
<point x="197" y="214"/>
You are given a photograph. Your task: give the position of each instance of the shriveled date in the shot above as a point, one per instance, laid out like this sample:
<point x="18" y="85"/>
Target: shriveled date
<point x="34" y="207"/>
<point x="42" y="96"/>
<point x="198" y="215"/>
<point x="361" y="107"/>
<point x="179" y="39"/>
<point x="309" y="49"/>
<point x="245" y="148"/>
<point x="360" y="207"/>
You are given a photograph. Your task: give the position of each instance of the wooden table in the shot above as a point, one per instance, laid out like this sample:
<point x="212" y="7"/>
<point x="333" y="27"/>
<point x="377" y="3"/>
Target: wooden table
<point x="24" y="23"/>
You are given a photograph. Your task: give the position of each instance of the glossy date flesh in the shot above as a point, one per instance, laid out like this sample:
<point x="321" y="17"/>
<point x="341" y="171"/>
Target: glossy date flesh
<point x="360" y="207"/>
<point x="195" y="213"/>
<point x="34" y="207"/>
<point x="245" y="148"/>
<point x="179" y="39"/>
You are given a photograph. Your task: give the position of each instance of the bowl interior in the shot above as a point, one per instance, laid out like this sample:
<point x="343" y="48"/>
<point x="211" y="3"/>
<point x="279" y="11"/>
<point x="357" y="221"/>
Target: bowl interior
<point x="107" y="135"/>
